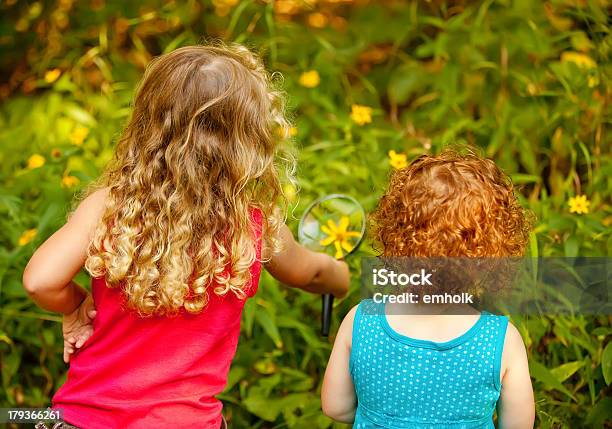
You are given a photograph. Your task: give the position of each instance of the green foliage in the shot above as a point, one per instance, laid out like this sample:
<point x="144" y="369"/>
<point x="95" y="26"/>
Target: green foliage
<point x="525" y="81"/>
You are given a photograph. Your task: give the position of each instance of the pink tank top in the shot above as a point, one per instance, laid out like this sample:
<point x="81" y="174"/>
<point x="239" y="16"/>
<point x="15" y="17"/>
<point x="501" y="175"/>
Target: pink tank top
<point x="155" y="372"/>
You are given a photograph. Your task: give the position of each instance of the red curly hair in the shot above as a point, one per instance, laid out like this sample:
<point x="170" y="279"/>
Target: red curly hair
<point x="451" y="204"/>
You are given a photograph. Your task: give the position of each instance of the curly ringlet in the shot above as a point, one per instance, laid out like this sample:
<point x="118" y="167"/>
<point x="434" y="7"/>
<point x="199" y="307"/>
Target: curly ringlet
<point x="201" y="149"/>
<point x="454" y="204"/>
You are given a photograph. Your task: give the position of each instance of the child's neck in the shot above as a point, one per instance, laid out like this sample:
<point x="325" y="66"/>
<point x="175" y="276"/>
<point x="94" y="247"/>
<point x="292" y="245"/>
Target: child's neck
<point x="430" y="309"/>
<point x="438" y="323"/>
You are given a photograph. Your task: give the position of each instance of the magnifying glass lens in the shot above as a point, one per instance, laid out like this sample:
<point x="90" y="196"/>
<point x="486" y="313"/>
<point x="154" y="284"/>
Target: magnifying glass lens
<point x="334" y="225"/>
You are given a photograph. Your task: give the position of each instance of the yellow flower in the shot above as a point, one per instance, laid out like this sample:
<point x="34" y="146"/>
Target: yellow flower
<point x="592" y="81"/>
<point x="285" y="132"/>
<point x="579" y="204"/>
<point x="70" y="181"/>
<point x="581" y="60"/>
<point x="266" y="366"/>
<point x="398" y="160"/>
<point x="532" y="89"/>
<point x="310" y="79"/>
<point x="36" y="161"/>
<point x="52" y="75"/>
<point x="361" y="115"/>
<point x="290" y="192"/>
<point x="557" y="136"/>
<point x="339" y="236"/>
<point x="317" y="20"/>
<point x="223" y="7"/>
<point x="27" y="236"/>
<point x="78" y="135"/>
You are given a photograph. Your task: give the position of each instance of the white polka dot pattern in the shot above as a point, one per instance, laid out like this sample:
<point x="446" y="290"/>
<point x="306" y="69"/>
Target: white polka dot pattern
<point x="407" y="383"/>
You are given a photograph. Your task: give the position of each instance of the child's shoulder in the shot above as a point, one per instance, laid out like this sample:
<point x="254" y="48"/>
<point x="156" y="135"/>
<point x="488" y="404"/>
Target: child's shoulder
<point x="513" y="340"/>
<point x="89" y="210"/>
<point x="350" y="316"/>
<point x="93" y="201"/>
<point x="514" y="352"/>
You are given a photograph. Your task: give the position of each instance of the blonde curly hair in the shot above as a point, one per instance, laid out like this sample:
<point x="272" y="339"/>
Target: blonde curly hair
<point x="199" y="154"/>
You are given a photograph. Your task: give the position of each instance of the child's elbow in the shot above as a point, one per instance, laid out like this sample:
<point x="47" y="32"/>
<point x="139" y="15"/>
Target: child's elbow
<point x="33" y="281"/>
<point x="328" y="410"/>
<point x="337" y="413"/>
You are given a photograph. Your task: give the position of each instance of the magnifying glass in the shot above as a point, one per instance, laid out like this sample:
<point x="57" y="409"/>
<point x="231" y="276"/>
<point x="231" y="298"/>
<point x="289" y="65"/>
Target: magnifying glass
<point x="334" y="224"/>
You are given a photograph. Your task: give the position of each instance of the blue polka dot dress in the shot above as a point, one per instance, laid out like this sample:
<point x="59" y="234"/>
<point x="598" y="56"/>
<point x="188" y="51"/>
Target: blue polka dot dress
<point x="403" y="382"/>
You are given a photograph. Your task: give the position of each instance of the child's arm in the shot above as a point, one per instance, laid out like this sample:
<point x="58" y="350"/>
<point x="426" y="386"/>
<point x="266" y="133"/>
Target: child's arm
<point x="301" y="268"/>
<point x="515" y="409"/>
<point x="48" y="276"/>
<point x="338" y="399"/>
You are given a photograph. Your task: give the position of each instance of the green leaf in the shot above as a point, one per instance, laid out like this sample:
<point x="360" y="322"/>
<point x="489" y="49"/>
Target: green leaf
<point x="600" y="413"/>
<point x="571" y="247"/>
<point x="248" y="316"/>
<point x="521" y="179"/>
<point x="547" y="378"/>
<point x="10" y="364"/>
<point x="565" y="371"/>
<point x="606" y="363"/>
<point x="602" y="330"/>
<point x="265" y="321"/>
<point x="5" y="338"/>
<point x="236" y="374"/>
<point x="262" y="406"/>
<point x="79" y="114"/>
<point x="405" y="82"/>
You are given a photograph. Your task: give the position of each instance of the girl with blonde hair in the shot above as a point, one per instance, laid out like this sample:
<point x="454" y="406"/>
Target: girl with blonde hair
<point x="174" y="237"/>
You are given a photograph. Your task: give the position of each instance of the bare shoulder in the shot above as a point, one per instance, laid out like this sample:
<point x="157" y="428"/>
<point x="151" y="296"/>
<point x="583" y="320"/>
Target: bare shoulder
<point x="350" y="316"/>
<point x="90" y="210"/>
<point x="96" y="198"/>
<point x="513" y="341"/>
<point x="93" y="203"/>
<point x="99" y="195"/>
<point x="514" y="351"/>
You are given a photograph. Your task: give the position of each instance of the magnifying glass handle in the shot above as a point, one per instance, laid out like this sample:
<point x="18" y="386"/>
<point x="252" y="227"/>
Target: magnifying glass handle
<point x="327" y="302"/>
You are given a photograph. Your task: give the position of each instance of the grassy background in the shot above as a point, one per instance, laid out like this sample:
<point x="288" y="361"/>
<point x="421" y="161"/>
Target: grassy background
<point x="527" y="81"/>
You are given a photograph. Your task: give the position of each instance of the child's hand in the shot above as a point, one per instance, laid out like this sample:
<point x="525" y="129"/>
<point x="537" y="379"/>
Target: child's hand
<point x="77" y="326"/>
